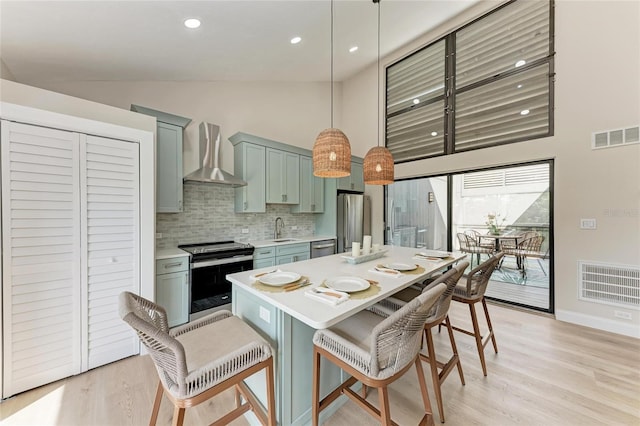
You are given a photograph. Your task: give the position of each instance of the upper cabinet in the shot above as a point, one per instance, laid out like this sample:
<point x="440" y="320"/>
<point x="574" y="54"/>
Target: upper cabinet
<point x="249" y="165"/>
<point x="355" y="181"/>
<point x="312" y="189"/>
<point x="169" y="140"/>
<point x="283" y="177"/>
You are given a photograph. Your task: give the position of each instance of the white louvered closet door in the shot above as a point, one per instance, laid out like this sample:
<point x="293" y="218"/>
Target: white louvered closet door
<point x="110" y="240"/>
<point x="41" y="256"/>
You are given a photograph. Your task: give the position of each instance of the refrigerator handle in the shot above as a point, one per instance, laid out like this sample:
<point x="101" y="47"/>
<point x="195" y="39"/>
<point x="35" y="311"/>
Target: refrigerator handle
<point x="347" y="215"/>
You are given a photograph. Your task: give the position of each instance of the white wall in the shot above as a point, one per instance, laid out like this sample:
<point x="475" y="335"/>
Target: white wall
<point x="597" y="88"/>
<point x="4" y="72"/>
<point x="292" y="113"/>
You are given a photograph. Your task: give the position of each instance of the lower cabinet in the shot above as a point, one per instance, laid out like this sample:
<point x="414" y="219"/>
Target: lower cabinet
<point x="279" y="255"/>
<point x="292" y="253"/>
<point x="172" y="288"/>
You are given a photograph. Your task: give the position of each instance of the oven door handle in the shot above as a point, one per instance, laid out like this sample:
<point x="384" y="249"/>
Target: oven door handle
<point x="225" y="261"/>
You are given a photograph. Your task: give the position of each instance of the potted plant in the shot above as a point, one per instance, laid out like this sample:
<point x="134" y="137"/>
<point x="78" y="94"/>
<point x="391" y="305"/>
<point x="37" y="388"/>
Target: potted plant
<point x="494" y="223"/>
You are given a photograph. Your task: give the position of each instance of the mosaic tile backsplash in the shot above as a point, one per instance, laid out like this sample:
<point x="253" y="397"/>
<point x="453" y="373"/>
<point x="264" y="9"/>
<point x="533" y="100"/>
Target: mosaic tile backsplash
<point x="209" y="216"/>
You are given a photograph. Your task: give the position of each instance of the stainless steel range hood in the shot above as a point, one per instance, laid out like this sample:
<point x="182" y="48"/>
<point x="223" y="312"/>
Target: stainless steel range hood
<point x="210" y="171"/>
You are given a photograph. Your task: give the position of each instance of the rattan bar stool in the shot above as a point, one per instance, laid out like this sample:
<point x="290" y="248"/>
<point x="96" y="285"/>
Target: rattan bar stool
<point x="470" y="290"/>
<point x="199" y="360"/>
<point x="375" y="351"/>
<point x="438" y="314"/>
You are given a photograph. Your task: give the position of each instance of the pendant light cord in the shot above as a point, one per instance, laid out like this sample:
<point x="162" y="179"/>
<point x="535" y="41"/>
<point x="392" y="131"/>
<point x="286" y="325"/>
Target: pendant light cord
<point x="378" y="110"/>
<point x="332" y="64"/>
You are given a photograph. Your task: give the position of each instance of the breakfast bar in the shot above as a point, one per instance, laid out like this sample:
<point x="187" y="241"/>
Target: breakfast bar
<point x="288" y="319"/>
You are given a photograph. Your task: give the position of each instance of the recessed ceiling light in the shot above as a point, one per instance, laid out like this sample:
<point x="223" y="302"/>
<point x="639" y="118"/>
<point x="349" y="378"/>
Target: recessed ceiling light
<point x="192" y="23"/>
<point x="519" y="86"/>
<point x="296" y="40"/>
<point x="353" y="49"/>
<point x="416" y="101"/>
<point x="434" y="133"/>
<point x="524" y="112"/>
<point x="520" y="63"/>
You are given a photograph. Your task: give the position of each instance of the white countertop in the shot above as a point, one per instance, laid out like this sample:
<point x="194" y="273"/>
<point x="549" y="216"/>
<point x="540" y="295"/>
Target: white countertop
<point x="169" y="253"/>
<point x="319" y="315"/>
<point x="291" y="240"/>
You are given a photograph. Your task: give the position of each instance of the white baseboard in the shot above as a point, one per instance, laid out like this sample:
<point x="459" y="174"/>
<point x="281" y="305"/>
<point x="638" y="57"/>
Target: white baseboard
<point x="632" y="330"/>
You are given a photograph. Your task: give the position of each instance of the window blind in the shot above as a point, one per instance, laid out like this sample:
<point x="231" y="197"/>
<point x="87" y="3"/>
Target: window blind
<point x="417" y="133"/>
<point x="418" y="77"/>
<point x="500" y="40"/>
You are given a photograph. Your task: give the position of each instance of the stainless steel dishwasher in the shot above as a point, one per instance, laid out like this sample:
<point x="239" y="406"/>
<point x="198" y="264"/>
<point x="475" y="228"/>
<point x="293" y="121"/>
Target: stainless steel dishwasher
<point x="323" y="248"/>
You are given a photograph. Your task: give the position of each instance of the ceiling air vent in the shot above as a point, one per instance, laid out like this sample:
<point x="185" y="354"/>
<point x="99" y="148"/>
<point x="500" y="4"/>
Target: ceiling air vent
<point x="617" y="137"/>
<point x="617" y="285"/>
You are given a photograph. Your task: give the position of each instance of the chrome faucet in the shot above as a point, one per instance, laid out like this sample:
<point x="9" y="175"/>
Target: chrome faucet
<point x="278" y="228"/>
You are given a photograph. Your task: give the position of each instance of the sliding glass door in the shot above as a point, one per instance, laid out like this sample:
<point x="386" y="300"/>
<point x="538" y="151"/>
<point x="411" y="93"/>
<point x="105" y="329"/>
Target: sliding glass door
<point x="505" y="209"/>
<point x="416" y="213"/>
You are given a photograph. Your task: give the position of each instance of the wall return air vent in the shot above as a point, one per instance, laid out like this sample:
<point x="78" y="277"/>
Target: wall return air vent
<point x="617" y="285"/>
<point x="617" y="137"/>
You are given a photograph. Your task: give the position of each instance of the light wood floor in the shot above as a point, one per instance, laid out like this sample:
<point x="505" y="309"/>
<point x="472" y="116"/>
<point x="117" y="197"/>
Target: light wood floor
<point x="547" y="373"/>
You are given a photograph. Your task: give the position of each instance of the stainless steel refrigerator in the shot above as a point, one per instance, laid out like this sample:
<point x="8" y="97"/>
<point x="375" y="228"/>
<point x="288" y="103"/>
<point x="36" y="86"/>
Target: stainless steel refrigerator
<point x="354" y="219"/>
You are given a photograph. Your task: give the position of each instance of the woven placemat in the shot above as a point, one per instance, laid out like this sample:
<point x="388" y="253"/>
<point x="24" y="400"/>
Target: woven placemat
<point x="419" y="270"/>
<point x="271" y="289"/>
<point x="371" y="291"/>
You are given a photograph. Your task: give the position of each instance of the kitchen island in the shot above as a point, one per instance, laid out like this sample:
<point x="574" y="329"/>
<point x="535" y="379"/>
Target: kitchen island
<point x="289" y="319"/>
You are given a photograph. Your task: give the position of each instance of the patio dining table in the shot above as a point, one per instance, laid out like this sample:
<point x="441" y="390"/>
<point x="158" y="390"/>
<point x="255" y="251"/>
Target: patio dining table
<point x="499" y="237"/>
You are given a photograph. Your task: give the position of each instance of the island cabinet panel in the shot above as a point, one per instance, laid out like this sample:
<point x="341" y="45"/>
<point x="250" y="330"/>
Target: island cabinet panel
<point x="293" y="360"/>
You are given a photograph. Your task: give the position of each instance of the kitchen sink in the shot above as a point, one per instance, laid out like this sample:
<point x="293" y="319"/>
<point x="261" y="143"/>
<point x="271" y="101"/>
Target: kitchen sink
<point x="284" y="240"/>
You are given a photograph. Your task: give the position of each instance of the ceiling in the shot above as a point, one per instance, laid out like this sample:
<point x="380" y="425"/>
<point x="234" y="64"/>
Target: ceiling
<point x="238" y="40"/>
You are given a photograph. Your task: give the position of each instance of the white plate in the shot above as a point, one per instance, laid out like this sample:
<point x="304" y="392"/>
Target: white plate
<point x="400" y="266"/>
<point x="435" y="253"/>
<point x="280" y="278"/>
<point x="347" y="284"/>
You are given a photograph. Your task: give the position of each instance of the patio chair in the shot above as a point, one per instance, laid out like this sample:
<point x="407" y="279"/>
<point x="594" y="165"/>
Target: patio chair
<point x="201" y="359"/>
<point x="530" y="247"/>
<point x="439" y="314"/>
<point x="376" y="351"/>
<point x="471" y="290"/>
<point x="485" y="242"/>
<point x="469" y="245"/>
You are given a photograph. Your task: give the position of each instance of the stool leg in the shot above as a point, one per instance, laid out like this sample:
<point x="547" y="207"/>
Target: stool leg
<point x="271" y="398"/>
<point x="454" y="348"/>
<point x="178" y="416"/>
<point x="156" y="405"/>
<point x="478" y="336"/>
<point x="423" y="388"/>
<point x="315" y="397"/>
<point x="486" y="314"/>
<point x="385" y="415"/>
<point x="433" y="364"/>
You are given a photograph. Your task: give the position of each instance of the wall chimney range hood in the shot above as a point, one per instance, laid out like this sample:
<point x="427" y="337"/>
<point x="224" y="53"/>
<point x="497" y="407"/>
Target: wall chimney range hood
<point x="210" y="171"/>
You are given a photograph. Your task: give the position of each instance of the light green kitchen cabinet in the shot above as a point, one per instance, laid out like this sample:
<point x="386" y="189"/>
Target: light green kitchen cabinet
<point x="354" y="182"/>
<point x="249" y="165"/>
<point x="172" y="288"/>
<point x="283" y="177"/>
<point x="169" y="138"/>
<point x="289" y="253"/>
<point x="311" y="189"/>
<point x="264" y="257"/>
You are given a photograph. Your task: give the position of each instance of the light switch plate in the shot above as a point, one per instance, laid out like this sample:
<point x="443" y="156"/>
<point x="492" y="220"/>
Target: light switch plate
<point x="245" y="230"/>
<point x="588" y="224"/>
<point x="265" y="315"/>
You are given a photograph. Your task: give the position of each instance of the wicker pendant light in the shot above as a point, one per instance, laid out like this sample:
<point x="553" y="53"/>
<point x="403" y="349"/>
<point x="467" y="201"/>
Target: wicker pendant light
<point x="331" y="151"/>
<point x="378" y="163"/>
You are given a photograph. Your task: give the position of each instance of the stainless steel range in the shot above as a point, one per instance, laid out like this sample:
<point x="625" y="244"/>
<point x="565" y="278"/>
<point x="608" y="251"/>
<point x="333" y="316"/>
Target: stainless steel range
<point x="210" y="263"/>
